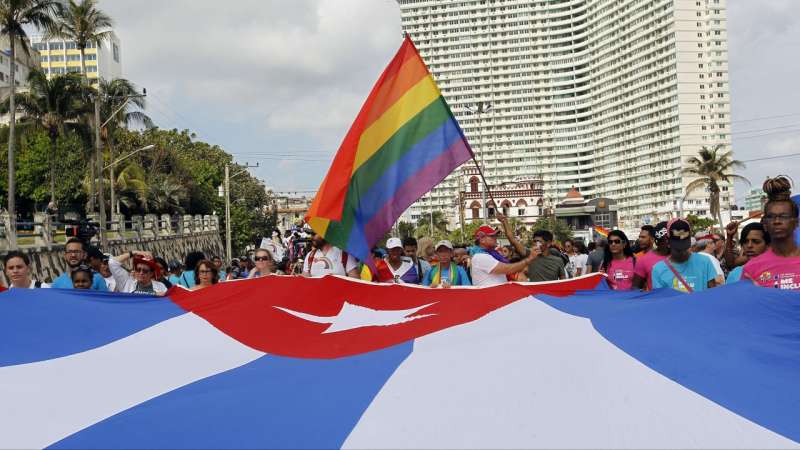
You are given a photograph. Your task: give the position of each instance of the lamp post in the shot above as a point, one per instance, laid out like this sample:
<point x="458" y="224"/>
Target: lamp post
<point x="227" y="188"/>
<point x="480" y="109"/>
<point x="99" y="156"/>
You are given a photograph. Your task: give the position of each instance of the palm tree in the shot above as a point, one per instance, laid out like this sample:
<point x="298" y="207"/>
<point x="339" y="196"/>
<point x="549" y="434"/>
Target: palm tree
<point x="166" y="195"/>
<point x="52" y="105"/>
<point x="437" y="218"/>
<point x="133" y="187"/>
<point x="120" y="98"/>
<point x="84" y="24"/>
<point x="713" y="166"/>
<point x="15" y="15"/>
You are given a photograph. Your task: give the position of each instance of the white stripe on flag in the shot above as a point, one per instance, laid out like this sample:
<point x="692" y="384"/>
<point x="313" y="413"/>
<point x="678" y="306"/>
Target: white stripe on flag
<point x="47" y="401"/>
<point x="530" y="376"/>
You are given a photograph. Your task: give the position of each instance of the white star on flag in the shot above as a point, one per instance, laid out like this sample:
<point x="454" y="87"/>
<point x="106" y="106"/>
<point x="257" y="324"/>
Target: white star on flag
<point x="353" y="316"/>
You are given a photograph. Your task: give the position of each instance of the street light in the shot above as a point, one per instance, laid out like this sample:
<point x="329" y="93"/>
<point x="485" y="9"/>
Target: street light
<point x="480" y="109"/>
<point x="227" y="188"/>
<point x="119" y="160"/>
<point x="99" y="155"/>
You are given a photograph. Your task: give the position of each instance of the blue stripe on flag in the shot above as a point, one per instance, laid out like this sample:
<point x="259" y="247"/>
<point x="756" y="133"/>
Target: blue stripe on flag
<point x="737" y="345"/>
<point x="273" y="402"/>
<point x="40" y="324"/>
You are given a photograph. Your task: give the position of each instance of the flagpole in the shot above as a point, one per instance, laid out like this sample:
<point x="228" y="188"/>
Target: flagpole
<point x="485" y="184"/>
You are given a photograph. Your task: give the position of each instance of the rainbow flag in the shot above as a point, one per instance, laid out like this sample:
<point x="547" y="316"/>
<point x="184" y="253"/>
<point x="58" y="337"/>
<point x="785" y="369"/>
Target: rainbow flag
<point x="602" y="231"/>
<point x="403" y="142"/>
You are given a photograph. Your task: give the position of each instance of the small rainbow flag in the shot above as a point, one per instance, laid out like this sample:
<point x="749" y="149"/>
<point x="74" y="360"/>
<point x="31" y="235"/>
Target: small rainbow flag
<point x="601" y="231"/>
<point x="403" y="142"/>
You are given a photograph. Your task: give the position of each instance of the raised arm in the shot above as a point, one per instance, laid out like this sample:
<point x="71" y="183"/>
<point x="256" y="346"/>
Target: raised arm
<point x="730" y="235"/>
<point x="510" y="234"/>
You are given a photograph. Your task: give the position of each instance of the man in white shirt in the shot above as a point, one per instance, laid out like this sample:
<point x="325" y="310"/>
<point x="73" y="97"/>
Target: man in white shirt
<point x="489" y="268"/>
<point x="705" y="246"/>
<point x="325" y="259"/>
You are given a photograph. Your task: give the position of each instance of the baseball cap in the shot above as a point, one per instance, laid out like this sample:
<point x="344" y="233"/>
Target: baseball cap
<point x="394" y="243"/>
<point x="444" y="243"/>
<point x="660" y="232"/>
<point x="485" y="230"/>
<point x="680" y="234"/>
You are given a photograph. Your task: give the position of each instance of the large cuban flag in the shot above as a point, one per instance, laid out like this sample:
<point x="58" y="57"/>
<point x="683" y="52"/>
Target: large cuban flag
<point x="285" y="362"/>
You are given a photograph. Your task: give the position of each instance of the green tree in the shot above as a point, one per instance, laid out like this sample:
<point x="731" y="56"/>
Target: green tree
<point x="438" y="219"/>
<point x="467" y="237"/>
<point x="15" y="16"/>
<point x="700" y="223"/>
<point x="405" y="229"/>
<point x="34" y="165"/>
<point x="81" y="22"/>
<point x="561" y="231"/>
<point x="84" y="24"/>
<point x="712" y="166"/>
<point x="52" y="105"/>
<point x="133" y="188"/>
<point x="165" y="195"/>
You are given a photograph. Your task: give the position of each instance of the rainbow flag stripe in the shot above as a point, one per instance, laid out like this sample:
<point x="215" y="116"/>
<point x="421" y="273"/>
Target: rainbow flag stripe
<point x="403" y="142"/>
<point x="602" y="231"/>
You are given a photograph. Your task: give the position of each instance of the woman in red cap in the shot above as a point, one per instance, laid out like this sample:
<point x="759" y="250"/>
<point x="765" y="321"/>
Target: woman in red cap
<point x="142" y="280"/>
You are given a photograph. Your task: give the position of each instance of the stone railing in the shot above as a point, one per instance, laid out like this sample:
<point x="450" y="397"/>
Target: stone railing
<point x="165" y="236"/>
<point x="43" y="232"/>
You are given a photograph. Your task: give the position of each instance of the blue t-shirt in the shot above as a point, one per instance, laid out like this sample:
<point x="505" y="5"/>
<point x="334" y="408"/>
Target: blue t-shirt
<point x="187" y="279"/>
<point x="64" y="281"/>
<point x="461" y="276"/>
<point x="735" y="275"/>
<point x="697" y="271"/>
<point x="174" y="279"/>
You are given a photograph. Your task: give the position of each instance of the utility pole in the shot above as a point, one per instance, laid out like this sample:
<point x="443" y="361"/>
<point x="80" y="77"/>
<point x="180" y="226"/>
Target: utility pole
<point x="227" y="187"/>
<point x="228" y="255"/>
<point x="99" y="163"/>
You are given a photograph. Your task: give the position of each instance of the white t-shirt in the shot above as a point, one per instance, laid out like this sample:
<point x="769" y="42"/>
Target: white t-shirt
<point x="482" y="266"/>
<point x="33" y="285"/>
<point x="715" y="262"/>
<point x="328" y="263"/>
<point x="576" y="262"/>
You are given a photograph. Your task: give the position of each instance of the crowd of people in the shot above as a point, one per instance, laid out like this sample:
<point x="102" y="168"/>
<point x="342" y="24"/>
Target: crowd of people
<point x="667" y="255"/>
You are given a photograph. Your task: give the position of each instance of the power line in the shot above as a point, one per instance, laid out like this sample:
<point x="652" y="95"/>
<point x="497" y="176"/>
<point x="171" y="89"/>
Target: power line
<point x="756" y="119"/>
<point x="790" y="155"/>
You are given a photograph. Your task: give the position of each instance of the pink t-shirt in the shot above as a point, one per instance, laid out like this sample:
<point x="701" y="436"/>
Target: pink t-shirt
<point x="771" y="270"/>
<point x="620" y="274"/>
<point x="644" y="266"/>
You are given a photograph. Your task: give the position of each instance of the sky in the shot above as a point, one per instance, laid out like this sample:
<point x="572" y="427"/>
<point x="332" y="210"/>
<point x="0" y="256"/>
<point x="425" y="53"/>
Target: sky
<point x="278" y="82"/>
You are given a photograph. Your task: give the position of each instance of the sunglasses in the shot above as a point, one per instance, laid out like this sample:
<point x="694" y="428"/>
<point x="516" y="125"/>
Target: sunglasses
<point x="615" y="241"/>
<point x="262" y="258"/>
<point x="142" y="270"/>
<point x="205" y="271"/>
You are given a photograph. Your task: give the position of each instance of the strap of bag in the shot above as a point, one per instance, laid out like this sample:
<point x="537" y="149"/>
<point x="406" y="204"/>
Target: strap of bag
<point x="678" y="276"/>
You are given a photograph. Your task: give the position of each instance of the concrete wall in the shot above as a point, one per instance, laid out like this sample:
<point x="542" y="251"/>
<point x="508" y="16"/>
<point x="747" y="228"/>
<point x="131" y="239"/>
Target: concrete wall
<point x="47" y="264"/>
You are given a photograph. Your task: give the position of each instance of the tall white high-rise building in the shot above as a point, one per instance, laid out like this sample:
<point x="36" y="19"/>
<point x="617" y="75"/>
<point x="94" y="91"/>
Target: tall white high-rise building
<point x="608" y="96"/>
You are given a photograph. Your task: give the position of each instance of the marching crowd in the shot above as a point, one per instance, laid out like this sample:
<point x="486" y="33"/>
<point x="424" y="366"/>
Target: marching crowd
<point x="667" y="255"/>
